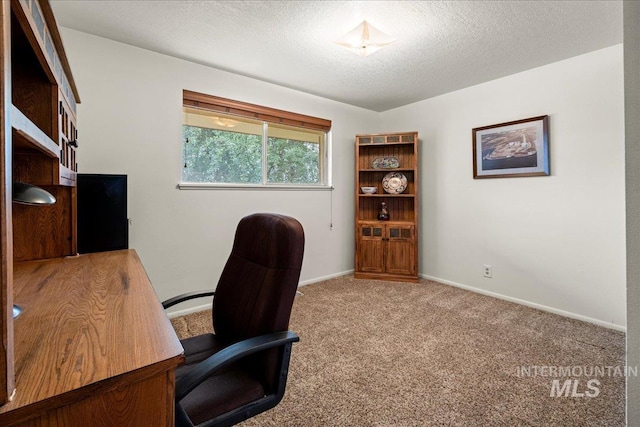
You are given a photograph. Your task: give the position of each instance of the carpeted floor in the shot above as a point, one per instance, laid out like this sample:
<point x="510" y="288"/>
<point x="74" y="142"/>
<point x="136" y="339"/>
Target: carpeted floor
<point x="375" y="353"/>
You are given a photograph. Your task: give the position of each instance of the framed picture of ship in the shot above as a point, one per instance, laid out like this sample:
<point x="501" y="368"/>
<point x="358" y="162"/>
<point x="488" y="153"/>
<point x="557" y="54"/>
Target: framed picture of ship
<point x="518" y="148"/>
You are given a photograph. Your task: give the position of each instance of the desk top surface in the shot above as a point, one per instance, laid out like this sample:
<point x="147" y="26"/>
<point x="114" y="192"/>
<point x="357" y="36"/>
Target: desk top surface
<point x="86" y="320"/>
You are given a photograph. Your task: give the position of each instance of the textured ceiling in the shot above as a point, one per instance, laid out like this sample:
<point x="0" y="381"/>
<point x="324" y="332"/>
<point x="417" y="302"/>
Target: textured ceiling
<point x="441" y="46"/>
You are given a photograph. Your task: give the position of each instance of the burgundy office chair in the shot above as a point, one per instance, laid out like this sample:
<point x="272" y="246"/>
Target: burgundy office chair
<point x="241" y="369"/>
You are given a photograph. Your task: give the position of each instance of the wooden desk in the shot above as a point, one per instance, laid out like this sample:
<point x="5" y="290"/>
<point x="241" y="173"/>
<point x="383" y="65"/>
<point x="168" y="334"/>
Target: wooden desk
<point x="93" y="346"/>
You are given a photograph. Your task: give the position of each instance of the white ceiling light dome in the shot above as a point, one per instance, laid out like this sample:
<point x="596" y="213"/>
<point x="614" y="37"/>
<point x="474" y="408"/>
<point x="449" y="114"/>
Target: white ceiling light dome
<point x="365" y="39"/>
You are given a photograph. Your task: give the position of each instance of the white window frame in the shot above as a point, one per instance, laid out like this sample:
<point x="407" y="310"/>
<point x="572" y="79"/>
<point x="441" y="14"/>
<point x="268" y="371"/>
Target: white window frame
<point x="215" y="104"/>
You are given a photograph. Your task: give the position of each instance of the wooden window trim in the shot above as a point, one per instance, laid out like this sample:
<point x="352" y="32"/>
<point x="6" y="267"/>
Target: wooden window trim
<point x="252" y="111"/>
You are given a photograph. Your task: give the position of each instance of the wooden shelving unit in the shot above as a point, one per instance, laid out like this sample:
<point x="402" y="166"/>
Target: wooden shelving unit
<point x="93" y="345"/>
<point x="43" y="132"/>
<point x="38" y="124"/>
<point x="386" y="249"/>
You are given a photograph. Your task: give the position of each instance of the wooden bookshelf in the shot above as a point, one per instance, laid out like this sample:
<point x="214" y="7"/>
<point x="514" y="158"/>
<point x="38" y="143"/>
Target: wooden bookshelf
<point x="386" y="249"/>
<point x="93" y="345"/>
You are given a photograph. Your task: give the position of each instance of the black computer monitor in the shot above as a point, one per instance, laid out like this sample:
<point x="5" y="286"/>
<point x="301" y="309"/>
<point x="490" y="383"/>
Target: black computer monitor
<point x="102" y="212"/>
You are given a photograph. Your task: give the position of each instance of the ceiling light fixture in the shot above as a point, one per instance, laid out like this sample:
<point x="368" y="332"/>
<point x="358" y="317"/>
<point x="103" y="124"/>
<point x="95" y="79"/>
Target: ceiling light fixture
<point x="365" y="39"/>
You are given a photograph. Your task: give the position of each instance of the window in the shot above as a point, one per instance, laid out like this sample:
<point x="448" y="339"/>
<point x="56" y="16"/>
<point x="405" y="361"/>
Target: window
<point x="229" y="142"/>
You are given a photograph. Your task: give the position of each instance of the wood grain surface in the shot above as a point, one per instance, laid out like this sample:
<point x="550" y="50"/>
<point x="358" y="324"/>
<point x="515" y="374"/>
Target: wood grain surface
<point x="6" y="252"/>
<point x="92" y="324"/>
<point x="41" y="232"/>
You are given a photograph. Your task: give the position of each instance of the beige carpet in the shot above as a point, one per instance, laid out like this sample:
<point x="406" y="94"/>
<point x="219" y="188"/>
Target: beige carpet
<point x="375" y="353"/>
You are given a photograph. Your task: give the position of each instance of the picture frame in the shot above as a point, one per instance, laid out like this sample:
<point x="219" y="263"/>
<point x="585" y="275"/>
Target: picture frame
<point x="512" y="149"/>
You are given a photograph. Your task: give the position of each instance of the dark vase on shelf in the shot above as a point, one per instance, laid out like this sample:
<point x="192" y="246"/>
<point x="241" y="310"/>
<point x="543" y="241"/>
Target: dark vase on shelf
<point x="384" y="212"/>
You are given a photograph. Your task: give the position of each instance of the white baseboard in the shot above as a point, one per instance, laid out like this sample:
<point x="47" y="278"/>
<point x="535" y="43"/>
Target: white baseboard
<point x="553" y="310"/>
<point x="190" y="310"/>
<point x="528" y="303"/>
<point x="323" y="278"/>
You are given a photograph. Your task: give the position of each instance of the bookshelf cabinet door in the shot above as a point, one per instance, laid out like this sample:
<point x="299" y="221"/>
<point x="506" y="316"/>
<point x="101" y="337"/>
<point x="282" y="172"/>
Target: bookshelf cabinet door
<point x="370" y="253"/>
<point x="400" y="252"/>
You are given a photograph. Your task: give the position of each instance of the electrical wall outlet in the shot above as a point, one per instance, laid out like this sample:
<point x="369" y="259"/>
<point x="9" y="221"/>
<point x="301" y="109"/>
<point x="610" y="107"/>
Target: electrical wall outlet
<point x="487" y="271"/>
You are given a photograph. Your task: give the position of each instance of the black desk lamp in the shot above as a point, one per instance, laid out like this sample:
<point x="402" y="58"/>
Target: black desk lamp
<point x="28" y="194"/>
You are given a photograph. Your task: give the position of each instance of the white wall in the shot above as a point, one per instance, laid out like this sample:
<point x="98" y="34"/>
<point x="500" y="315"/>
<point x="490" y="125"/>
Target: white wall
<point x="557" y="241"/>
<point x="130" y="122"/>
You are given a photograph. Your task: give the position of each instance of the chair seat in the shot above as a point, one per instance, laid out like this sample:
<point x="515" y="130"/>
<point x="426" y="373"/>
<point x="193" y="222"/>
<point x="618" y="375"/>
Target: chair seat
<point x="231" y="388"/>
<point x="220" y="394"/>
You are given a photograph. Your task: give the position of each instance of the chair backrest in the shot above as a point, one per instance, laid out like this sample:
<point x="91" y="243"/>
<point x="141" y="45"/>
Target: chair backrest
<point x="255" y="292"/>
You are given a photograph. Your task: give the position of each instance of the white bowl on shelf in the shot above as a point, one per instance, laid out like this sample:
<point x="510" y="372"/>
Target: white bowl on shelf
<point x="369" y="190"/>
